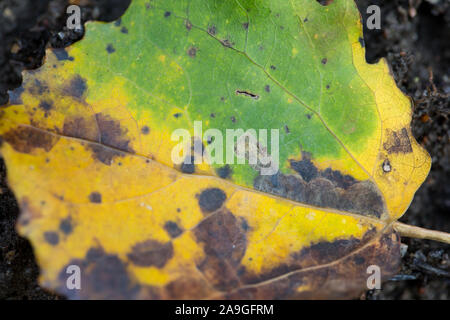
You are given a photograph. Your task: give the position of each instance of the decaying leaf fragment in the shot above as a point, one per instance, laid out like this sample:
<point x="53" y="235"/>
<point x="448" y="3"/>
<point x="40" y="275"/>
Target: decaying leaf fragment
<point x="87" y="144"/>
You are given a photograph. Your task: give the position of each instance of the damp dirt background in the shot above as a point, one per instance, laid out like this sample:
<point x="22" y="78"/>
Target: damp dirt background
<point x="415" y="38"/>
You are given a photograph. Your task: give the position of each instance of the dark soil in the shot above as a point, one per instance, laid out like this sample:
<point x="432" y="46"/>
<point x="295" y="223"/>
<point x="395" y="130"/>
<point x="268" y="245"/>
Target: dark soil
<point x="415" y="40"/>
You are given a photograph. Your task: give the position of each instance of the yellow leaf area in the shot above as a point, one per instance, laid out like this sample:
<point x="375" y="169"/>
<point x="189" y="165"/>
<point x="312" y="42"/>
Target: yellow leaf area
<point x="164" y="234"/>
<point x="395" y="161"/>
<point x="97" y="189"/>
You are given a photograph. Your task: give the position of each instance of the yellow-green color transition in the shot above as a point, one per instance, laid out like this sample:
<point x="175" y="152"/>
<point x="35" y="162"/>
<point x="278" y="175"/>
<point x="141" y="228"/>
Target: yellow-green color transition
<point x="87" y="144"/>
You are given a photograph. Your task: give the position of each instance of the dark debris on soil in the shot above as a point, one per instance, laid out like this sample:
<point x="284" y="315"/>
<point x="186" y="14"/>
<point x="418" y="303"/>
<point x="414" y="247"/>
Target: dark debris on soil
<point x="415" y="40"/>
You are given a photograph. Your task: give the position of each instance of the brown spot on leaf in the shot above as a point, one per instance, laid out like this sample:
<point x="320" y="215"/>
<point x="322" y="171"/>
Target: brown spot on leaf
<point x="110" y="48"/>
<point x="66" y="226"/>
<point x="111" y="135"/>
<point x="26" y="139"/>
<point x="104" y="276"/>
<point x="192" y="52"/>
<point x="188" y="165"/>
<point x="328" y="188"/>
<point x="61" y="54"/>
<point x="46" y="106"/>
<point x="288" y="186"/>
<point x="364" y="198"/>
<point x="397" y="141"/>
<point x="51" y="237"/>
<point x="188" y="24"/>
<point x="151" y="253"/>
<point x="95" y="197"/>
<point x="211" y="199"/>
<point x="224" y="172"/>
<point x="342" y="280"/>
<point x="172" y="229"/>
<point x="102" y="129"/>
<point x="224" y="243"/>
<point x="38" y="88"/>
<point x="226" y="43"/>
<point x="15" y="96"/>
<point x="212" y="30"/>
<point x="79" y="127"/>
<point x="77" y="87"/>
<point x="103" y="154"/>
<point x="361" y="42"/>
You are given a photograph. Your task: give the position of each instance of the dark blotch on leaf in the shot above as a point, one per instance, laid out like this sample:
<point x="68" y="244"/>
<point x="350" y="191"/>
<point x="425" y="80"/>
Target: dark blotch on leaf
<point x="15" y="96"/>
<point x="397" y="141"/>
<point x="145" y="130"/>
<point x="167" y="14"/>
<point x="273" y="67"/>
<point x="151" y="253"/>
<point x="305" y="168"/>
<point x="286" y="128"/>
<point x="188" y="25"/>
<point x="226" y="43"/>
<point x="38" y="88"/>
<point x="66" y="226"/>
<point x="361" y="41"/>
<point x="188" y="166"/>
<point x="245" y="25"/>
<point x="61" y="55"/>
<point x="111" y="135"/>
<point x="224" y="172"/>
<point x="51" y="237"/>
<point x="46" y="106"/>
<point x="192" y="52"/>
<point x="211" y="199"/>
<point x="77" y="87"/>
<point x="324" y="61"/>
<point x="267" y="88"/>
<point x="124" y="30"/>
<point x="224" y="242"/>
<point x="110" y="48"/>
<point x="173" y="229"/>
<point x="104" y="276"/>
<point x="26" y="139"/>
<point x="95" y="197"/>
<point x="212" y="30"/>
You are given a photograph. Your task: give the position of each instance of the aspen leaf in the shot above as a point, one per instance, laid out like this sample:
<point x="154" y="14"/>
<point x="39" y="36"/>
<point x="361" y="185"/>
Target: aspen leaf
<point x="87" y="144"/>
